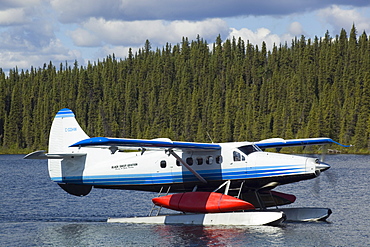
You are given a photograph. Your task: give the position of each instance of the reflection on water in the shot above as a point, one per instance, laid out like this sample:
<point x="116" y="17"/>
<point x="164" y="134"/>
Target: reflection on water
<point x="83" y="234"/>
<point x="69" y="235"/>
<point x="215" y="235"/>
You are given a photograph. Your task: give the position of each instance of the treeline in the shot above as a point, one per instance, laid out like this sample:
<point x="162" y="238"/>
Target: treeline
<point x="231" y="91"/>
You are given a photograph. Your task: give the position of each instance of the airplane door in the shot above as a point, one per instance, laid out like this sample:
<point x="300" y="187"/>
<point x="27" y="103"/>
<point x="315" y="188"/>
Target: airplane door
<point x="163" y="172"/>
<point x="250" y="166"/>
<point x="245" y="154"/>
<point x="240" y="160"/>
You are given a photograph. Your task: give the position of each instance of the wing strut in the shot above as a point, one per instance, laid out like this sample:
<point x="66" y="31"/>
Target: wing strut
<point x="187" y="166"/>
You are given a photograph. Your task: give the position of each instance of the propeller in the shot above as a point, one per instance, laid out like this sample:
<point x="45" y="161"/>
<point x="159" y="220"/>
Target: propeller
<point x="320" y="167"/>
<point x="324" y="150"/>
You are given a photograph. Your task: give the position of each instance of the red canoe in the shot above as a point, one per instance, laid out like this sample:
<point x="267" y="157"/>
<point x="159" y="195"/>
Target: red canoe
<point x="202" y="202"/>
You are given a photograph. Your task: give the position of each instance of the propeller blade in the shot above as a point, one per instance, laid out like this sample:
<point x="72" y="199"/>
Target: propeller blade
<point x="323" y="153"/>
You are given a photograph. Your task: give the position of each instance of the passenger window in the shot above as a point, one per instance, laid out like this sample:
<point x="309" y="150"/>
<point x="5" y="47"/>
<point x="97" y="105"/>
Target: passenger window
<point x="189" y="161"/>
<point x="178" y="163"/>
<point x="219" y="159"/>
<point x="163" y="164"/>
<point x="209" y="160"/>
<point x="199" y="161"/>
<point x="236" y="156"/>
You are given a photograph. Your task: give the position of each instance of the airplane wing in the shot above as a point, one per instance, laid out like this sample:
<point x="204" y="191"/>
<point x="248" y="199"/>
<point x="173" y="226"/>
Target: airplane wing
<point x="162" y="143"/>
<point x="280" y="143"/>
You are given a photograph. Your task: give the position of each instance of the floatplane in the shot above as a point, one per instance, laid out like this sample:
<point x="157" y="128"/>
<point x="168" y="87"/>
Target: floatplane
<point x="206" y="183"/>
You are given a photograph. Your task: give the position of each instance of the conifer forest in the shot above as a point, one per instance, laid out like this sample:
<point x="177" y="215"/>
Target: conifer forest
<point x="230" y="90"/>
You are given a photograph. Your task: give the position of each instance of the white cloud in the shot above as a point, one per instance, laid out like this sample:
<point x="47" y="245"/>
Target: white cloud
<point x="344" y="18"/>
<point x="208" y="29"/>
<point x="256" y="38"/>
<point x="118" y="51"/>
<point x="54" y="52"/>
<point x="35" y="31"/>
<point x="128" y="33"/>
<point x="12" y="16"/>
<point x="296" y="29"/>
<point x="27" y="35"/>
<point x="83" y="37"/>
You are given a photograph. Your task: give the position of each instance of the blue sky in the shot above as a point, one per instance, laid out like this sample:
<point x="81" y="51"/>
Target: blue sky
<point x="34" y="32"/>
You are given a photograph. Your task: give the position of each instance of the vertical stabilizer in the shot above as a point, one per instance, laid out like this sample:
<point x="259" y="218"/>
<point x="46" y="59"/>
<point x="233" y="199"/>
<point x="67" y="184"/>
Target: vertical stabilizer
<point x="67" y="171"/>
<point x="64" y="132"/>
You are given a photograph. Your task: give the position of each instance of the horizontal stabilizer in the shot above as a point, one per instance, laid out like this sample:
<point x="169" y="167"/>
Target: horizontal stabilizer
<point x="104" y="142"/>
<point x="42" y="155"/>
<point x="280" y="143"/>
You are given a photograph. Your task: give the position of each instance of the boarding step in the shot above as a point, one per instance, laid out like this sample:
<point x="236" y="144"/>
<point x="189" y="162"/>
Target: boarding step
<point x="157" y="209"/>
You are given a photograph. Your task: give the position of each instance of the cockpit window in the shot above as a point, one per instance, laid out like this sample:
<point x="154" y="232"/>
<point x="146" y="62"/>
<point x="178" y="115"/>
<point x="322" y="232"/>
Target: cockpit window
<point x="248" y="149"/>
<point x="236" y="156"/>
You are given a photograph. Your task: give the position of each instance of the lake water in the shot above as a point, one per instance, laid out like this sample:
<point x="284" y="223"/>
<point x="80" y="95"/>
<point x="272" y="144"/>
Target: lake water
<point x="35" y="212"/>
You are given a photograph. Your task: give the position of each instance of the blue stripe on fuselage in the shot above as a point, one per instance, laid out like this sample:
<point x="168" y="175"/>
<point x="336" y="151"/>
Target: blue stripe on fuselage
<point x="183" y="176"/>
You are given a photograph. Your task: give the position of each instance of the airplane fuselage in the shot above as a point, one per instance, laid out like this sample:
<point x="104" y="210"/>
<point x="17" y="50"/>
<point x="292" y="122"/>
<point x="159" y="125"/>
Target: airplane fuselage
<point x="151" y="170"/>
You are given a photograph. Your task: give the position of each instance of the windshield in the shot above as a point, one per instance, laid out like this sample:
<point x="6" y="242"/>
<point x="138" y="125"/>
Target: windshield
<point x="249" y="149"/>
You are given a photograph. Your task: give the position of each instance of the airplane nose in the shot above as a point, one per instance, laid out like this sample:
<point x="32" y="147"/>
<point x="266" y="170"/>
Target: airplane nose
<point x="321" y="166"/>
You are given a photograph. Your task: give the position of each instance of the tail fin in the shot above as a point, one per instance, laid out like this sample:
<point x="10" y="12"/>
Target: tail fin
<point x="67" y="171"/>
<point x="64" y="132"/>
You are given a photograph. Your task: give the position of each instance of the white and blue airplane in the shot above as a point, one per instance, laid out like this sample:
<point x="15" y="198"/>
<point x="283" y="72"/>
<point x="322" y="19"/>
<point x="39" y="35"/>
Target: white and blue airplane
<point x="79" y="163"/>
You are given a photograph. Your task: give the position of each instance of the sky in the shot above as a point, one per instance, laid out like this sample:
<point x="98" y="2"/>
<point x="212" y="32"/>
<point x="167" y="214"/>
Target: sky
<point x="35" y="32"/>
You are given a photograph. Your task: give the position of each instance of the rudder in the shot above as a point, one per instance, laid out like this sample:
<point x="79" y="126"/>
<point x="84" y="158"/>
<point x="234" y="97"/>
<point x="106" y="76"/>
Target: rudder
<point x="67" y="172"/>
<point x="64" y="132"/>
